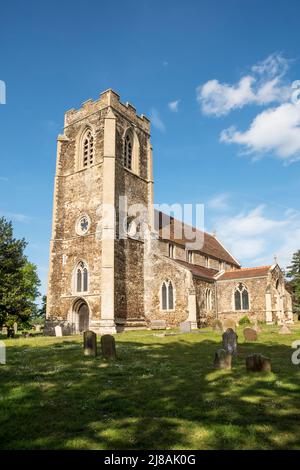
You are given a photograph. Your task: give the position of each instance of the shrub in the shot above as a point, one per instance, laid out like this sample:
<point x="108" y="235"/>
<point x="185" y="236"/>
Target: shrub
<point x="244" y="321"/>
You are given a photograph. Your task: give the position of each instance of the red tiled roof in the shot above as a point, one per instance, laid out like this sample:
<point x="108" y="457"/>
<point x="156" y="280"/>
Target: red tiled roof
<point x="245" y="273"/>
<point x="200" y="271"/>
<point x="169" y="229"/>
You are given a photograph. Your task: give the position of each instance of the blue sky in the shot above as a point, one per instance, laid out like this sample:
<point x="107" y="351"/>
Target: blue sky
<point x="216" y="78"/>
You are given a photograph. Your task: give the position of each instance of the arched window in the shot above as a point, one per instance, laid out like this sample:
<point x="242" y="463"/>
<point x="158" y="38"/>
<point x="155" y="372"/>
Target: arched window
<point x="128" y="147"/>
<point x="208" y="299"/>
<point x="81" y="278"/>
<point x="87" y="149"/>
<point x="167" y="296"/>
<point x="241" y="297"/>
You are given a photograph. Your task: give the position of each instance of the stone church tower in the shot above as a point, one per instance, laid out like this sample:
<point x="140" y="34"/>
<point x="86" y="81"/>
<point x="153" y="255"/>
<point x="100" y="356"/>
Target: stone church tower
<point x="96" y="277"/>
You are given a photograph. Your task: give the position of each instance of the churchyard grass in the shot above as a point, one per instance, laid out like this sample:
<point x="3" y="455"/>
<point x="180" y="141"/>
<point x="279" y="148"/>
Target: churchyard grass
<point x="161" y="393"/>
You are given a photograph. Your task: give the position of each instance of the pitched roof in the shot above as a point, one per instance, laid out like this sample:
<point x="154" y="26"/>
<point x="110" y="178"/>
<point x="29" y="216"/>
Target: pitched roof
<point x="174" y="230"/>
<point x="199" y="271"/>
<point x="245" y="273"/>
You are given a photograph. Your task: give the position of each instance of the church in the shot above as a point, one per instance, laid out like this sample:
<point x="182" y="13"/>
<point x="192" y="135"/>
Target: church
<point x="115" y="262"/>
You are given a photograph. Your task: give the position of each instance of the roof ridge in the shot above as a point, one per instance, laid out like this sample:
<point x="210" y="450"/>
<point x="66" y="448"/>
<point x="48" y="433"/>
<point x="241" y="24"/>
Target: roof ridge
<point x="245" y="269"/>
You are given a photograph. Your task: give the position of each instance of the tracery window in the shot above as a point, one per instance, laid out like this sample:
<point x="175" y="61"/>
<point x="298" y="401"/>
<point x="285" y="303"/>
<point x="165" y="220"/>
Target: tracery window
<point x="167" y="295"/>
<point x="81" y="277"/>
<point x="241" y="297"/>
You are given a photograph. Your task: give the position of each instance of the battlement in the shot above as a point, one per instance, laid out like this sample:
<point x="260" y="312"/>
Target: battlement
<point x="108" y="98"/>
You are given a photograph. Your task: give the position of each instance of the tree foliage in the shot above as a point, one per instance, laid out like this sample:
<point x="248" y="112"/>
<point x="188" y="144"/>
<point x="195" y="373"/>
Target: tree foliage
<point x="38" y="316"/>
<point x="293" y="273"/>
<point x="19" y="281"/>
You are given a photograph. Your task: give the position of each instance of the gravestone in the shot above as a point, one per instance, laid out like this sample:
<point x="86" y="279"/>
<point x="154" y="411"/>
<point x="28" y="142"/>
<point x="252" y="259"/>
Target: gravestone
<point x="185" y="327"/>
<point x="229" y="338"/>
<point x="15" y="328"/>
<point x="158" y="325"/>
<point x="217" y="325"/>
<point x="229" y="323"/>
<point x="90" y="343"/>
<point x="58" y="330"/>
<point x="258" y="363"/>
<point x="67" y="330"/>
<point x="222" y="359"/>
<point x="108" y="347"/>
<point x="2" y="353"/>
<point x="284" y="330"/>
<point x="250" y="334"/>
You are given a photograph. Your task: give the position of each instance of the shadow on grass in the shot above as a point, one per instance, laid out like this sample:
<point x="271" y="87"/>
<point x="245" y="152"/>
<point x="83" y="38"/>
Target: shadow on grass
<point x="159" y="394"/>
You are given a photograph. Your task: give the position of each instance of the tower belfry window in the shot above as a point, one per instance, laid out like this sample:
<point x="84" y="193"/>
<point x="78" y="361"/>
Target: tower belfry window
<point x="128" y="151"/>
<point x="88" y="149"/>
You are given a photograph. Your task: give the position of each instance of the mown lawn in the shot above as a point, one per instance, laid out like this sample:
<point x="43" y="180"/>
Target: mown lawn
<point x="162" y="393"/>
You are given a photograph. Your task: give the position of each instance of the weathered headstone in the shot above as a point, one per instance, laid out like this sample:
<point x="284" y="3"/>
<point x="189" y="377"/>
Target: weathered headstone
<point x="158" y="325"/>
<point x="222" y="359"/>
<point x="38" y="328"/>
<point x="250" y="334"/>
<point x="185" y="327"/>
<point x="108" y="347"/>
<point x="217" y="325"/>
<point x="15" y="328"/>
<point x="2" y="353"/>
<point x="229" y="323"/>
<point x="58" y="330"/>
<point x="229" y="338"/>
<point x="89" y="343"/>
<point x="258" y="363"/>
<point x="284" y="330"/>
<point x="67" y="329"/>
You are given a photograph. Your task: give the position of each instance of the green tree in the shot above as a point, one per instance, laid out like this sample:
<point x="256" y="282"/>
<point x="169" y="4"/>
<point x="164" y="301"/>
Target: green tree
<point x="38" y="316"/>
<point x="19" y="281"/>
<point x="293" y="273"/>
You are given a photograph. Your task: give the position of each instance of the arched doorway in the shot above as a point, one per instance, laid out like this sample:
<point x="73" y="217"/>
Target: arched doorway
<point x="83" y="318"/>
<point x="82" y="315"/>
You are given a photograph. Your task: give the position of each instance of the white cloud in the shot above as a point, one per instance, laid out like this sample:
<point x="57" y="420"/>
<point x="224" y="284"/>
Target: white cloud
<point x="15" y="217"/>
<point x="264" y="85"/>
<point x="173" y="105"/>
<point x="274" y="64"/>
<point x="275" y="130"/>
<point x="246" y="233"/>
<point x="254" y="238"/>
<point x="156" y="120"/>
<point x="251" y="224"/>
<point x="218" y="202"/>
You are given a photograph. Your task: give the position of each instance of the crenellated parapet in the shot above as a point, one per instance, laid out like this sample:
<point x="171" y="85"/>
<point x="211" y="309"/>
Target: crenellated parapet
<point x="108" y="98"/>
